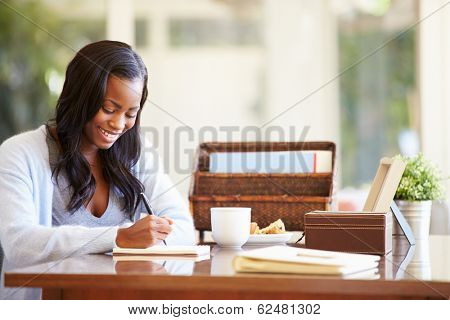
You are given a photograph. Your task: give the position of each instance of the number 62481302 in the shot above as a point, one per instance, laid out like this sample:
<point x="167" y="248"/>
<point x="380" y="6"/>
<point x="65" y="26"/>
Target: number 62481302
<point x="285" y="308"/>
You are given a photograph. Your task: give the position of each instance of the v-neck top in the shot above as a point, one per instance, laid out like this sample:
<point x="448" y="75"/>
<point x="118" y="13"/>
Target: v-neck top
<point x="62" y="192"/>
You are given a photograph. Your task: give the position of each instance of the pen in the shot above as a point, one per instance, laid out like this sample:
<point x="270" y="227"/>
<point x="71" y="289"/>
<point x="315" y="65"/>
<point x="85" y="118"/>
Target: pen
<point x="149" y="208"/>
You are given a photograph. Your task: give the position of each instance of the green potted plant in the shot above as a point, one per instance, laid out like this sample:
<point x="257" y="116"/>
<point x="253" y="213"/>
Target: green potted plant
<point x="419" y="186"/>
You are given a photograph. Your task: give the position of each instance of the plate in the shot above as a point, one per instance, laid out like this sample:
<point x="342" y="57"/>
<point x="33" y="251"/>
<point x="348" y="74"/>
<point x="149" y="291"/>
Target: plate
<point x="268" y="239"/>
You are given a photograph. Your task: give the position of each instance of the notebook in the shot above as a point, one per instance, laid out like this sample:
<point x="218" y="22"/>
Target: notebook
<point x="164" y="251"/>
<point x="141" y="257"/>
<point x="282" y="259"/>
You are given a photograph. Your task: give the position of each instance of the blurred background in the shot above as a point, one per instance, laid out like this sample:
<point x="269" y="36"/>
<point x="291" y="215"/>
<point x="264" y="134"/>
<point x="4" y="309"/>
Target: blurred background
<point x="371" y="75"/>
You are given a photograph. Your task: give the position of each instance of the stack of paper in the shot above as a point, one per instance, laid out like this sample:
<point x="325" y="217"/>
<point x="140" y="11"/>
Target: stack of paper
<point x="164" y="251"/>
<point x="282" y="259"/>
<point x="310" y="161"/>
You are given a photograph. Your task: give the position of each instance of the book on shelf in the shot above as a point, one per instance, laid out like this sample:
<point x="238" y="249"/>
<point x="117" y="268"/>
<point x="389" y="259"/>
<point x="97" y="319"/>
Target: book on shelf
<point x="283" y="259"/>
<point x="309" y="161"/>
<point x="163" y="250"/>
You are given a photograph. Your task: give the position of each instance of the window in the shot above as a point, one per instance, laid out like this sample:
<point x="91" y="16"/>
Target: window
<point x="141" y="33"/>
<point x="378" y="97"/>
<point x="208" y="32"/>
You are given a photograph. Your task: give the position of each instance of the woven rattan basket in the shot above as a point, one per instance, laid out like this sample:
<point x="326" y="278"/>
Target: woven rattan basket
<point x="271" y="196"/>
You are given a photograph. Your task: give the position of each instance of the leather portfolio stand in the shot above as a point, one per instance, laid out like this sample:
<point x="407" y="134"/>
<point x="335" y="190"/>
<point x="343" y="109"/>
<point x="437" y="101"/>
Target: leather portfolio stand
<point x="368" y="231"/>
<point x="356" y="232"/>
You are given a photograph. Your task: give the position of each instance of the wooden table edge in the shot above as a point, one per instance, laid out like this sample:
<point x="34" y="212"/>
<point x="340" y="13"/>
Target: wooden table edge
<point x="413" y="288"/>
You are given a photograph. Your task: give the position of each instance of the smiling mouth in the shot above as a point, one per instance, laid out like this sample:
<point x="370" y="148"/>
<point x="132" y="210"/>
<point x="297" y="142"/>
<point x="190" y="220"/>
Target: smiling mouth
<point x="109" y="134"/>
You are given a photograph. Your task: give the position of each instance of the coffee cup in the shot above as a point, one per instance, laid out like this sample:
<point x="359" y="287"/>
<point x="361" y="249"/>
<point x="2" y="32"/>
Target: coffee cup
<point x="230" y="226"/>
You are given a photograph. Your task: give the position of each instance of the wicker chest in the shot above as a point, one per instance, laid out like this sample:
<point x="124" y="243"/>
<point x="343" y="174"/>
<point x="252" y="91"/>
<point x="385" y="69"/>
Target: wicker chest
<point x="270" y="195"/>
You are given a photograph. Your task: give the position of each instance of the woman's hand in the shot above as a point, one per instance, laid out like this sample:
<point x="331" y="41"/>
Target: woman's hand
<point x="145" y="232"/>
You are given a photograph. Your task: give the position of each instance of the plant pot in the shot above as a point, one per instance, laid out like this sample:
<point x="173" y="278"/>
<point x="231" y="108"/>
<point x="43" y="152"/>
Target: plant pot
<point x="417" y="214"/>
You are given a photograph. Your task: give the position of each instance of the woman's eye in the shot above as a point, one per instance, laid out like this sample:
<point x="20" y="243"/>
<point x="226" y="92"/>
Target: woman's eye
<point x="131" y="116"/>
<point x="107" y="110"/>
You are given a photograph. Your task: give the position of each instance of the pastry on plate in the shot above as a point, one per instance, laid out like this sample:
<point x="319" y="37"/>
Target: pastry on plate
<point x="276" y="227"/>
<point x="254" y="228"/>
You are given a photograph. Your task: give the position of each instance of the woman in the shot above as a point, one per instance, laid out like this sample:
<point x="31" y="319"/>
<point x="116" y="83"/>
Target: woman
<point x="72" y="186"/>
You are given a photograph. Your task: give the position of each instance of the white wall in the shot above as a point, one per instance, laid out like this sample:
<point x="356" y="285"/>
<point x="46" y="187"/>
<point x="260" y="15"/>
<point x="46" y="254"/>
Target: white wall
<point x="120" y="21"/>
<point x="434" y="66"/>
<point x="301" y="68"/>
<point x="301" y="57"/>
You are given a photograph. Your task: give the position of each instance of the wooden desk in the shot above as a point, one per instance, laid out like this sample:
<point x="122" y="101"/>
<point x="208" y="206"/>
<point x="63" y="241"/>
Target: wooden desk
<point x="422" y="274"/>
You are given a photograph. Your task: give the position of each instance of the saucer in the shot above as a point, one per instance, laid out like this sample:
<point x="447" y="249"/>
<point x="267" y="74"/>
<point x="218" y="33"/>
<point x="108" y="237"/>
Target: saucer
<point x="268" y="239"/>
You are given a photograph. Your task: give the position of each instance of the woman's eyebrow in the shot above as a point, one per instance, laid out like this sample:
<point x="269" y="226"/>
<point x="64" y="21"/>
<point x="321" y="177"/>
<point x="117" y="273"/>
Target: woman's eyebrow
<point x="118" y="106"/>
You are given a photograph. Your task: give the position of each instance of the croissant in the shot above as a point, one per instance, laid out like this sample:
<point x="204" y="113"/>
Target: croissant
<point x="274" y="228"/>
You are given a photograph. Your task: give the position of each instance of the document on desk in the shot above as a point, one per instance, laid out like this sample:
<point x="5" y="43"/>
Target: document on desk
<point x="140" y="257"/>
<point x="282" y="259"/>
<point x="164" y="251"/>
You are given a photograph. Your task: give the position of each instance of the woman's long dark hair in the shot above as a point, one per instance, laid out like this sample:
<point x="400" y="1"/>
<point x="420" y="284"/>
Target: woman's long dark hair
<point x="82" y="96"/>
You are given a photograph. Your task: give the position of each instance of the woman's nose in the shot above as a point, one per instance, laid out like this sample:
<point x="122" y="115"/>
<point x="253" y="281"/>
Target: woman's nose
<point x="117" y="123"/>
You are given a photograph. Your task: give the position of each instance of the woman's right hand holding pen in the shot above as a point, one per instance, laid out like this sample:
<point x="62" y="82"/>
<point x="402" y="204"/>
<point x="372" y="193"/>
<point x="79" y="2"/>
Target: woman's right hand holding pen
<point x="145" y="232"/>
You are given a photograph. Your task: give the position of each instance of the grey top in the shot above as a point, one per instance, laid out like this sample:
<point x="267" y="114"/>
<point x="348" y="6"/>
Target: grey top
<point x="113" y="216"/>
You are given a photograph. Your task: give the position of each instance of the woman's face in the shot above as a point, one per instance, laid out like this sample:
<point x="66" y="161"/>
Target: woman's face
<point x="116" y="115"/>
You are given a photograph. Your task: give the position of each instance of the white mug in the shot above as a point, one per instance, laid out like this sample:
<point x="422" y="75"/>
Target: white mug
<point x="230" y="226"/>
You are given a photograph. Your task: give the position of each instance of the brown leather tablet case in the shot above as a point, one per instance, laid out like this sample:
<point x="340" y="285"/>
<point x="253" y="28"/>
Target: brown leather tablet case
<point x="357" y="232"/>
